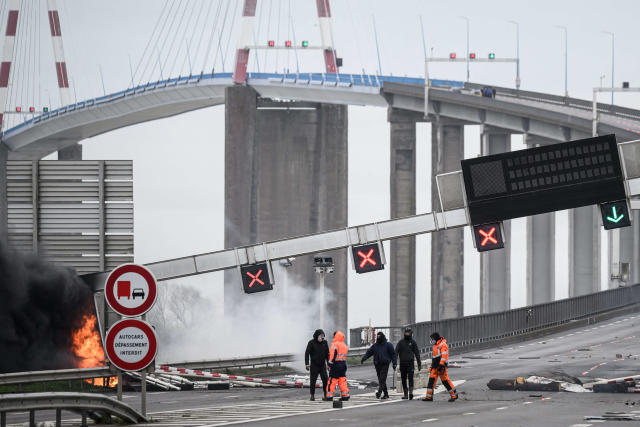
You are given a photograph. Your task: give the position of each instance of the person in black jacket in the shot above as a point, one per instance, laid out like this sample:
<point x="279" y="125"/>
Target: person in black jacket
<point x="315" y="359"/>
<point x="383" y="354"/>
<point x="407" y="348"/>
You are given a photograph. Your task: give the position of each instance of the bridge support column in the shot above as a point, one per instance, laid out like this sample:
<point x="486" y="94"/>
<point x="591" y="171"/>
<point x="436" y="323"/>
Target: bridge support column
<point x="402" y="259"/>
<point x="73" y="152"/>
<point x="286" y="175"/>
<point x="447" y="247"/>
<point x="584" y="251"/>
<point x="4" y="203"/>
<point x="540" y="248"/>
<point x="495" y="271"/>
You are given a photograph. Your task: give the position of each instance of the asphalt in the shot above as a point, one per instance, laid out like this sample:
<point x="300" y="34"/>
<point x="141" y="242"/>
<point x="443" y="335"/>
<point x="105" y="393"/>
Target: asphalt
<point x="609" y="349"/>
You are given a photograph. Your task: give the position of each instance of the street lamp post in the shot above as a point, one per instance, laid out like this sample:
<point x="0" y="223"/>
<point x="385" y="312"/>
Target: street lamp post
<point x="613" y="46"/>
<point x="467" y="19"/>
<point x="322" y="266"/>
<point x="566" y="55"/>
<point x="517" y="53"/>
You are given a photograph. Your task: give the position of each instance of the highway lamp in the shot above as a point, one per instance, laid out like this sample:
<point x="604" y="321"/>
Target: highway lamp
<point x="322" y="266"/>
<point x="517" y="53"/>
<point x="467" y="56"/>
<point x="566" y="55"/>
<point x="612" y="61"/>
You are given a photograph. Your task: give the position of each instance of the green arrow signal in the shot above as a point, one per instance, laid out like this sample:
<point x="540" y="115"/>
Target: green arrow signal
<point x="615" y="218"/>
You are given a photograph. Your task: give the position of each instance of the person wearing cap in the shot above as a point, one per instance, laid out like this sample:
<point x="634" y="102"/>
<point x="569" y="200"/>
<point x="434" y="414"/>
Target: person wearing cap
<point x="315" y="360"/>
<point x="439" y="363"/>
<point x="408" y="351"/>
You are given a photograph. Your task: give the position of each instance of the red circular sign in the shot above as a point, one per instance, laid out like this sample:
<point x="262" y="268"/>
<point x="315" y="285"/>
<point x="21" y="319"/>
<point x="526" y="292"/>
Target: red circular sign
<point x="130" y="290"/>
<point x="131" y="344"/>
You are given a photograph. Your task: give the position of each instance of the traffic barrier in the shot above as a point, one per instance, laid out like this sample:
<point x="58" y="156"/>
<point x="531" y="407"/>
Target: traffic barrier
<point x="214" y="375"/>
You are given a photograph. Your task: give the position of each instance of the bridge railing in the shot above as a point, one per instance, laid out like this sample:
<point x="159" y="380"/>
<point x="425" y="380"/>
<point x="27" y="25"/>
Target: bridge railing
<point x="560" y="100"/>
<point x="481" y="328"/>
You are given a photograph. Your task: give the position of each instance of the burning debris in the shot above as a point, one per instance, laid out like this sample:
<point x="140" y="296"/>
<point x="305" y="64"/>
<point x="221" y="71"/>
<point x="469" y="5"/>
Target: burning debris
<point x="88" y="350"/>
<point x="41" y="306"/>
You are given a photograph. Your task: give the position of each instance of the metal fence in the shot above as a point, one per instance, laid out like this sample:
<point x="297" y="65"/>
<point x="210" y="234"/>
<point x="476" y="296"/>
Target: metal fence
<point x="481" y="328"/>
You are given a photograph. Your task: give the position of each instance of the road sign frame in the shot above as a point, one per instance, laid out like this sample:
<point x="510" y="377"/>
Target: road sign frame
<point x="147" y="329"/>
<point x="604" y="207"/>
<point x="111" y="282"/>
<point x="543" y="179"/>
<point x="499" y="228"/>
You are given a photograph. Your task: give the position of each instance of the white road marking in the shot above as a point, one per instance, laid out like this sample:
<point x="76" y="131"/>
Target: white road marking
<point x="469" y="413"/>
<point x="428" y="420"/>
<point x="580" y="425"/>
<point x="501" y="408"/>
<point x="527" y="403"/>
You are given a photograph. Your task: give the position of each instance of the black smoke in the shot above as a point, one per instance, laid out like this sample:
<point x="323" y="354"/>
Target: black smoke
<point x="41" y="304"/>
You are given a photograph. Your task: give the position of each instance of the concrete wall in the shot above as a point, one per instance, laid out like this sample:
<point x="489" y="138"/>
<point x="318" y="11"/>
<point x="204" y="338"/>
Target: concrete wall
<point x="447" y="247"/>
<point x="286" y="175"/>
<point x="495" y="266"/>
<point x="584" y="250"/>
<point x="4" y="206"/>
<point x="73" y="152"/>
<point x="402" y="259"/>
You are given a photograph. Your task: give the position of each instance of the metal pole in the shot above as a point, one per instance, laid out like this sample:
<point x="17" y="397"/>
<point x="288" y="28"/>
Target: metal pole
<point x="594" y="116"/>
<point x="322" y="299"/>
<point x="612" y="61"/>
<point x="467" y="60"/>
<point x="424" y="42"/>
<point x="517" y="53"/>
<point x="143" y="394"/>
<point x="375" y="33"/>
<point x="119" y="387"/>
<point x="566" y="54"/>
<point x="427" y="83"/>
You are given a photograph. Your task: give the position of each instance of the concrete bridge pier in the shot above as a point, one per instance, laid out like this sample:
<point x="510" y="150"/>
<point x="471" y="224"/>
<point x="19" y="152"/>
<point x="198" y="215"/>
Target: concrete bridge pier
<point x="73" y="152"/>
<point x="4" y="203"/>
<point x="540" y="248"/>
<point x="402" y="257"/>
<point x="495" y="271"/>
<point x="629" y="244"/>
<point x="584" y="250"/>
<point x="447" y="247"/>
<point x="286" y="175"/>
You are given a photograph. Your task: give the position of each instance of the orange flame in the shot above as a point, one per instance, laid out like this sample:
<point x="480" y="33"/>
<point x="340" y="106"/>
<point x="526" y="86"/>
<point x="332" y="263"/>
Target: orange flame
<point x="87" y="347"/>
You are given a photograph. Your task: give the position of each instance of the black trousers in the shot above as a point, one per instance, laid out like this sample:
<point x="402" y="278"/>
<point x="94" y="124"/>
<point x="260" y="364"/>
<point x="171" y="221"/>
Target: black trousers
<point x="406" y="373"/>
<point x="382" y="369"/>
<point x="314" y="372"/>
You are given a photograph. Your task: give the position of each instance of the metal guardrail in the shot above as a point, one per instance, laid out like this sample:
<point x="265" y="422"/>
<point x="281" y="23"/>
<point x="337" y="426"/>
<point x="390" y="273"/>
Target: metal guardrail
<point x="560" y="100"/>
<point x="84" y="403"/>
<point x="85" y="373"/>
<point x="481" y="328"/>
<point x="54" y="375"/>
<point x="238" y="362"/>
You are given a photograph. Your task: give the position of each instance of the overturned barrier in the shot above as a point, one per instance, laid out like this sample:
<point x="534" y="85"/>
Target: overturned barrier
<point x="217" y="376"/>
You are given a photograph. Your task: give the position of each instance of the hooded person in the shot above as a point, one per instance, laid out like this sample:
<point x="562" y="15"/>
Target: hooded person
<point x="315" y="359"/>
<point x="337" y="367"/>
<point x="383" y="354"/>
<point x="408" y="351"/>
<point x="439" y="364"/>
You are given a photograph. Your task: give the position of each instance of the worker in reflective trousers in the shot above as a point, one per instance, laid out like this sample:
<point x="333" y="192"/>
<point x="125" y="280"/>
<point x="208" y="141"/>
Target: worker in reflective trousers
<point x="439" y="362"/>
<point x="337" y="367"/>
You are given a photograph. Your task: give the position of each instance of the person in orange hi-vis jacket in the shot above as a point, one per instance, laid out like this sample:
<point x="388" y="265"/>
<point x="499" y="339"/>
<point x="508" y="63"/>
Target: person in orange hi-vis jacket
<point x="439" y="363"/>
<point x="337" y="367"/>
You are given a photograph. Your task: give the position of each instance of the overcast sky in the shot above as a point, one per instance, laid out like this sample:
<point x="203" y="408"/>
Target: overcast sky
<point x="178" y="162"/>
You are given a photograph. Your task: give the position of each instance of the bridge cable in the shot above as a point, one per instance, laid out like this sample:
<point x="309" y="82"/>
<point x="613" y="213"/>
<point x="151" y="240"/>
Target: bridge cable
<point x="155" y="54"/>
<point x="233" y="21"/>
<point x="278" y="33"/>
<point x="356" y="33"/>
<point x="204" y="25"/>
<point x="187" y="56"/>
<point x="151" y="57"/>
<point x="211" y="36"/>
<point x="295" y="43"/>
<point x="266" y="51"/>
<point x="219" y="50"/>
<point x="39" y="13"/>
<point x="256" y="35"/>
<point x="288" y="33"/>
<point x="192" y="38"/>
<point x="179" y="32"/>
<point x="151" y="38"/>
<point x="174" y="35"/>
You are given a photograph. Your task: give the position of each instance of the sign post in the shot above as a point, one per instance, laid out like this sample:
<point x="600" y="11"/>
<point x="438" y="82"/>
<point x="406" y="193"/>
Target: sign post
<point x="131" y="344"/>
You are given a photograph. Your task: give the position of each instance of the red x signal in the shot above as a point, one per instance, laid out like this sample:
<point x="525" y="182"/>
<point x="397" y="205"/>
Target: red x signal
<point x="366" y="259"/>
<point x="255" y="278"/>
<point x="488" y="236"/>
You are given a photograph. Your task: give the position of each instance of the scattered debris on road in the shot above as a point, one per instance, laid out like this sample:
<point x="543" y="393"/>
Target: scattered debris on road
<point x="535" y="383"/>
